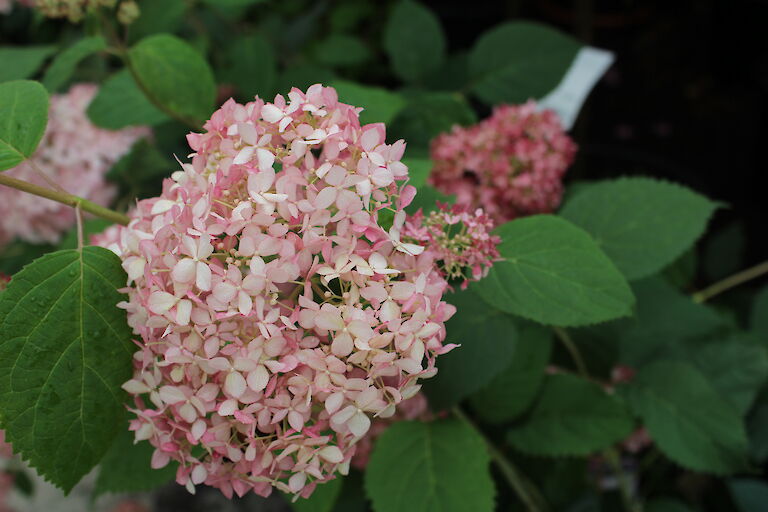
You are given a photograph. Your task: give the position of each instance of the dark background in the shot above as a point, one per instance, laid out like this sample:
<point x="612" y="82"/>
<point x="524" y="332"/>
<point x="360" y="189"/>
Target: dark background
<point x="685" y="99"/>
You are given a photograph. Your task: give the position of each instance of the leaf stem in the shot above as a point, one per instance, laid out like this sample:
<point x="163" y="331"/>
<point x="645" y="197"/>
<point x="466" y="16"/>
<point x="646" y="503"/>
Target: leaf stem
<point x="65" y="198"/>
<point x="526" y="491"/>
<point x="731" y="282"/>
<point x="612" y="455"/>
<point x="573" y="350"/>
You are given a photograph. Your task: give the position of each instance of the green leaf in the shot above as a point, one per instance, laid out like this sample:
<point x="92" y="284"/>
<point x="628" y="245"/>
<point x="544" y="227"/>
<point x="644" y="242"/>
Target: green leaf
<point x="380" y="105"/>
<point x="156" y="17"/>
<point x="65" y="63"/>
<point x="175" y="75"/>
<point x="427" y="114"/>
<point x="757" y="429"/>
<point x="723" y="252"/>
<point x="642" y="224"/>
<point x="22" y="62"/>
<point x="414" y="41"/>
<point x="23" y="117"/>
<point x="664" y="319"/>
<point x="341" y="50"/>
<point x="251" y="66"/>
<point x="418" y="170"/>
<point x="120" y="103"/>
<point x="232" y="3"/>
<point x="718" y="362"/>
<point x="749" y="495"/>
<point x="126" y="467"/>
<point x="759" y="317"/>
<point x="487" y="337"/>
<point x="438" y="466"/>
<point x="572" y="416"/>
<point x="688" y="420"/>
<point x="512" y="391"/>
<point x="427" y="198"/>
<point x="65" y="350"/>
<point x="322" y="500"/>
<point x="554" y="273"/>
<point x="519" y="60"/>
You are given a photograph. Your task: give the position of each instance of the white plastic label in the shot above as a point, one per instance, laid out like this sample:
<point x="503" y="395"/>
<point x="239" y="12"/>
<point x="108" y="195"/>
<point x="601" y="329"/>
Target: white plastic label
<point x="586" y="69"/>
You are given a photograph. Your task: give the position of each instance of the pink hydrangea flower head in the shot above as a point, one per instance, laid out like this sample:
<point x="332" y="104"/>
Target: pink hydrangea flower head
<point x="511" y="163"/>
<point x="76" y="155"/>
<point x="275" y="317"/>
<point x="460" y="241"/>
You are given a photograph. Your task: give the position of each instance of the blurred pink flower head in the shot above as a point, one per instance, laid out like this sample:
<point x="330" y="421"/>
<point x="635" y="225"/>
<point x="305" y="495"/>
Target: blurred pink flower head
<point x="76" y="155"/>
<point x="510" y="164"/>
<point x="276" y="316"/>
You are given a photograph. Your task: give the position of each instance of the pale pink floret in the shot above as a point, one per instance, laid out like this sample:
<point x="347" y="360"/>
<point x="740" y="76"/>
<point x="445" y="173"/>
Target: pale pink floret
<point x="74" y="153"/>
<point x="275" y="316"/>
<point x="510" y="164"/>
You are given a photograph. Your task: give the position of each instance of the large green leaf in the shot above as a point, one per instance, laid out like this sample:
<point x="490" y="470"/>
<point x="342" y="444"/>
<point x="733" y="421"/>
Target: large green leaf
<point x="23" y="117"/>
<point x="126" y="467"/>
<point x="487" y="337"/>
<point x="380" y="105"/>
<point x="572" y="416"/>
<point x="554" y="273"/>
<point x="425" y="467"/>
<point x="65" y="63"/>
<point x="736" y="368"/>
<point x="65" y="350"/>
<point x="120" y="103"/>
<point x="664" y="321"/>
<point x="511" y="392"/>
<point x="688" y="420"/>
<point x="175" y="76"/>
<point x="323" y="499"/>
<point x="642" y="224"/>
<point x="414" y="41"/>
<point x="519" y="60"/>
<point x="22" y="62"/>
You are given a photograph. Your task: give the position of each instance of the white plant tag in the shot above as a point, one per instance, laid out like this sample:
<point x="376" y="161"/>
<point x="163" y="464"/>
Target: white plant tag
<point x="586" y="69"/>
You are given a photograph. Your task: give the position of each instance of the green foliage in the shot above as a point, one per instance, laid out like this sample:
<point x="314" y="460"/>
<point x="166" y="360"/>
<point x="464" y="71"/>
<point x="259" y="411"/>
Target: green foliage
<point x="554" y="273"/>
<point x="141" y="170"/>
<point x="156" y="17"/>
<point x="487" y="337"/>
<point x="414" y="41"/>
<point x="427" y="198"/>
<point x="519" y="60"/>
<point x="571" y="416"/>
<point x="418" y="170"/>
<point x="120" y="103"/>
<point x="749" y="495"/>
<point x="64" y="64"/>
<point x="757" y="428"/>
<point x="512" y="391"/>
<point x="175" y="76"/>
<point x="666" y="505"/>
<point x="323" y="499"/>
<point x="428" y="114"/>
<point x="736" y="368"/>
<point x="380" y="105"/>
<point x="421" y="467"/>
<point x="126" y="466"/>
<point x="23" y="117"/>
<point x="759" y="316"/>
<point x="664" y="320"/>
<point x="90" y="227"/>
<point x="341" y="50"/>
<point x="23" y="61"/>
<point x="251" y="66"/>
<point x="65" y="350"/>
<point x="688" y="420"/>
<point x="642" y="224"/>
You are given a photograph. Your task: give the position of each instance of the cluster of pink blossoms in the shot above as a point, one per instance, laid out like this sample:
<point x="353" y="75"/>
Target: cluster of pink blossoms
<point x="510" y="164"/>
<point x="73" y="153"/>
<point x="462" y="243"/>
<point x="276" y="315"/>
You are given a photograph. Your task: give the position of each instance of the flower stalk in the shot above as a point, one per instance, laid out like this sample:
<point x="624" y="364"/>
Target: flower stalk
<point x="65" y="198"/>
